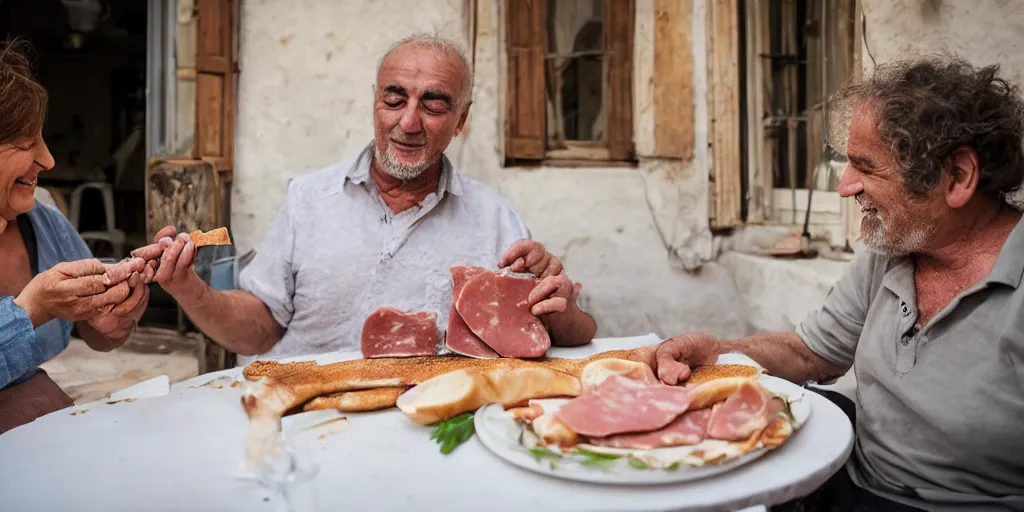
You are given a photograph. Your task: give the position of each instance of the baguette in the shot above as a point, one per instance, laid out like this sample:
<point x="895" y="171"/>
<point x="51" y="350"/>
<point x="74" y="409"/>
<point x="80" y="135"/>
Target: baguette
<point x="454" y="393"/>
<point x="702" y="374"/>
<point x="356" y="401"/>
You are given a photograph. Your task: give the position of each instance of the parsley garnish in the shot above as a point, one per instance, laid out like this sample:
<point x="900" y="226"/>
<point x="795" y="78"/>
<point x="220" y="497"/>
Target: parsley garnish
<point x="452" y="432"/>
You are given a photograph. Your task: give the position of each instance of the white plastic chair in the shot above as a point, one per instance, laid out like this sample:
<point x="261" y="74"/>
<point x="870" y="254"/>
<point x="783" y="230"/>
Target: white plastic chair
<point x="113" y="236"/>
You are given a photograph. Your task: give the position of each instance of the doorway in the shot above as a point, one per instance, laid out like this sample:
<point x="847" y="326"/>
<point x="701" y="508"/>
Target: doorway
<point x="97" y="59"/>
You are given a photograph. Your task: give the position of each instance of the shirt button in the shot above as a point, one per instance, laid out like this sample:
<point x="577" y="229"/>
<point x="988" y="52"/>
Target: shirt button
<point x="904" y="309"/>
<point x="904" y="340"/>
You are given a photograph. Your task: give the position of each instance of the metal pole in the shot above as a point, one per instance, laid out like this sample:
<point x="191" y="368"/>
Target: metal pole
<point x="824" y="114"/>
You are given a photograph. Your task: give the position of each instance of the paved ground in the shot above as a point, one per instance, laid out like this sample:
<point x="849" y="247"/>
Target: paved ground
<point x="86" y="375"/>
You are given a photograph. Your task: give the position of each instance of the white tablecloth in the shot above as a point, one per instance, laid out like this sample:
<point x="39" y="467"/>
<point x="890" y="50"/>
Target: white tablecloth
<point x="179" y="453"/>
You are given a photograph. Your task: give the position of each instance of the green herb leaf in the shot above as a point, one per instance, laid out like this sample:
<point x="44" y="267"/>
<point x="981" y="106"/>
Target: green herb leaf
<point x="672" y="467"/>
<point x="453" y="432"/>
<point x="542" y="453"/>
<point x="789" y="411"/>
<point x="591" y="459"/>
<point x="638" y="463"/>
<point x="597" y="455"/>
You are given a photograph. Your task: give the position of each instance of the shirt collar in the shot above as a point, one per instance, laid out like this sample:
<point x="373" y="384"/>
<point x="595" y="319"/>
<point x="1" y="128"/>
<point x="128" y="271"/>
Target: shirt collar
<point x="1009" y="265"/>
<point x="1008" y="269"/>
<point x="450" y="181"/>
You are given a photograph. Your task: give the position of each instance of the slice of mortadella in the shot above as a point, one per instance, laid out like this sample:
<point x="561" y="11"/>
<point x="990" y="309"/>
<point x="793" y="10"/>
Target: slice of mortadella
<point x="389" y="332"/>
<point x="460" y="338"/>
<point x="620" y="405"/>
<point x="689" y="429"/>
<point x="495" y="306"/>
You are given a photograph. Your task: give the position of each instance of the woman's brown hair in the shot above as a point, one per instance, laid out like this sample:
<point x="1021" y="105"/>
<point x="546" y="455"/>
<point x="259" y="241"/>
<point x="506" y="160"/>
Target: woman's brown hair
<point x="22" y="98"/>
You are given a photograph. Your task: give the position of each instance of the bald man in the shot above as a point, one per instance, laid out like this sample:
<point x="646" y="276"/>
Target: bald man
<point x="381" y="229"/>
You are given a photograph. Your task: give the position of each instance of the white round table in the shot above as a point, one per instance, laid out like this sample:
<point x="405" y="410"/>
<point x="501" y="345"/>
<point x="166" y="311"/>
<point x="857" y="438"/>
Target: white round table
<point x="181" y="452"/>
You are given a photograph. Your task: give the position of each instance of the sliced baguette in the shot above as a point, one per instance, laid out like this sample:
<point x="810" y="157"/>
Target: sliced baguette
<point x="554" y="432"/>
<point x="714" y="391"/>
<point x="596" y="372"/>
<point x="465" y="390"/>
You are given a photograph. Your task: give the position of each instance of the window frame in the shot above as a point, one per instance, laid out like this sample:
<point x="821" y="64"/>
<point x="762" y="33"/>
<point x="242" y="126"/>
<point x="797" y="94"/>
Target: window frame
<point x="831" y="217"/>
<point x="526" y="45"/>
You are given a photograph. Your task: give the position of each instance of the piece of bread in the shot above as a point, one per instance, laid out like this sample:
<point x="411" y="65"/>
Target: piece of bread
<point x="217" y="236"/>
<point x="356" y="401"/>
<point x="554" y="432"/>
<point x="454" y="393"/>
<point x="777" y="432"/>
<point x="712" y="392"/>
<point x="702" y="374"/>
<point x="596" y="372"/>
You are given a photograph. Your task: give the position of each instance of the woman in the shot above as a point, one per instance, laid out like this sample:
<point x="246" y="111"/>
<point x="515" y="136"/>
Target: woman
<point x="49" y="282"/>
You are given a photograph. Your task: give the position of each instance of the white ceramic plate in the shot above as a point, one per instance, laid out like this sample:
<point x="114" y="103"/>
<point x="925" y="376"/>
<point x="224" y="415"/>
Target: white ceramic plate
<point x="500" y="434"/>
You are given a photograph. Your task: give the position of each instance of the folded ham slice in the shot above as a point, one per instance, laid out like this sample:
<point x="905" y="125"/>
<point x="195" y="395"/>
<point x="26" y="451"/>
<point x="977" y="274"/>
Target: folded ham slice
<point x="621" y="405"/>
<point x="689" y="429"/>
<point x="388" y="332"/>
<point x="742" y="414"/>
<point x="495" y="307"/>
<point x="459" y="338"/>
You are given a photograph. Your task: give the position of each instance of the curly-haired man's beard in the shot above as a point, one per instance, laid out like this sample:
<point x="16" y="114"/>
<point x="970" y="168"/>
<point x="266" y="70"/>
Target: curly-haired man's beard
<point x="895" y="233"/>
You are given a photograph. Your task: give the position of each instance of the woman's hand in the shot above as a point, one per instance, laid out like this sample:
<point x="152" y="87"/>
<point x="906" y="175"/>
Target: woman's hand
<point x="73" y="290"/>
<point x="117" y="323"/>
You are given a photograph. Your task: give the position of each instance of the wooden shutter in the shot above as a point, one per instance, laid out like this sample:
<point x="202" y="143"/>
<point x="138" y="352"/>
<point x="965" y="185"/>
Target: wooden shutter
<point x="618" y="40"/>
<point x="215" y="73"/>
<point x="527" y="46"/>
<point x="724" y="110"/>
<point x="672" y="100"/>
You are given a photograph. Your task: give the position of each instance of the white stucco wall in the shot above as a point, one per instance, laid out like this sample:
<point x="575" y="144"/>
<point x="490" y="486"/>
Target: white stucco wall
<point x="983" y="31"/>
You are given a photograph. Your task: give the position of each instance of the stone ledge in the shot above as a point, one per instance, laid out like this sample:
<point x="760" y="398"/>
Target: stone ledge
<point x="778" y="293"/>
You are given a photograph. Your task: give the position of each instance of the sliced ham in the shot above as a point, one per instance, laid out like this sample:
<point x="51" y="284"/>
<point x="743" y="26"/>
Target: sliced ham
<point x="689" y="429"/>
<point x="620" y="405"/>
<point x="743" y="413"/>
<point x="495" y="307"/>
<point x="389" y="332"/>
<point x="459" y="338"/>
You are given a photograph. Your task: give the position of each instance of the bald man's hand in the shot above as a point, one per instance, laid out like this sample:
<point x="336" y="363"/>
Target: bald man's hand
<point x="72" y="291"/>
<point x="672" y="358"/>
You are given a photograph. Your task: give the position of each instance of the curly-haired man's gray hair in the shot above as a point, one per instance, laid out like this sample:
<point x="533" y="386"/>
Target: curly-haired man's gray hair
<point x="928" y="108"/>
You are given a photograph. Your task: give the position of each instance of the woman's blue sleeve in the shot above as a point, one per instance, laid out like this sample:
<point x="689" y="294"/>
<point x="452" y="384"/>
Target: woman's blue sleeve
<point x="19" y="355"/>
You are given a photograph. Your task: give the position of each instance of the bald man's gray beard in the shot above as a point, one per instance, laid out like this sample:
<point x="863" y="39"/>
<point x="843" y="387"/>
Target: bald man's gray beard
<point x="390" y="165"/>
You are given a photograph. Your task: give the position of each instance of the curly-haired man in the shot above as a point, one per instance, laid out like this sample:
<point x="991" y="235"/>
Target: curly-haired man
<point x="931" y="318"/>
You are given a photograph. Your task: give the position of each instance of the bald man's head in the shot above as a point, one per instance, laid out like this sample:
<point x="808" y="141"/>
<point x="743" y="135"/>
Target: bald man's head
<point x="444" y="49"/>
<point x="421" y="101"/>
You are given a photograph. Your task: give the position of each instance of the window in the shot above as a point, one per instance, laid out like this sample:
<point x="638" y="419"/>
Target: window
<point x="570" y="74"/>
<point x="793" y="55"/>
